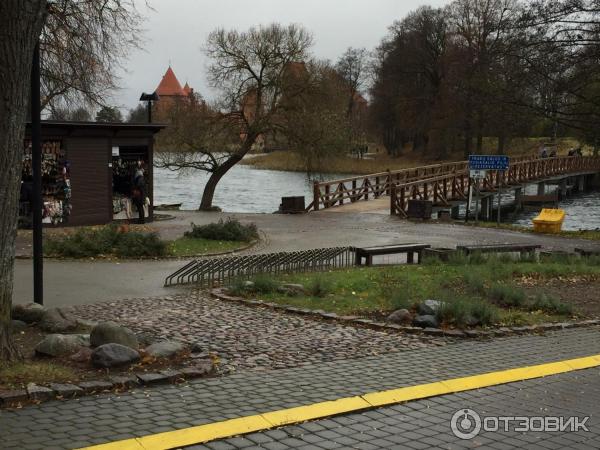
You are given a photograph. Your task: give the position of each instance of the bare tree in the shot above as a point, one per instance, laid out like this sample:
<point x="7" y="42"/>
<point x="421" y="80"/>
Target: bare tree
<point x="82" y="45"/>
<point x="254" y="71"/>
<point x="20" y="25"/>
<point x="353" y="68"/>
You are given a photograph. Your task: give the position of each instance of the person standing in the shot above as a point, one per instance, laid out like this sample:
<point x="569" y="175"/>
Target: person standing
<point x="138" y="194"/>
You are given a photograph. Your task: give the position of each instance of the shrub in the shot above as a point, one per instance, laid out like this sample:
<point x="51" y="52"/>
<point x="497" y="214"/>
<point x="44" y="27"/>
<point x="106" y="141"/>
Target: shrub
<point x="107" y="240"/>
<point x="550" y="304"/>
<point x="238" y="287"/>
<point x="139" y="244"/>
<point x="458" y="259"/>
<point x="229" y="230"/>
<point x="264" y="284"/>
<point x="319" y="287"/>
<point x="474" y="282"/>
<point x="507" y="295"/>
<point x="462" y="311"/>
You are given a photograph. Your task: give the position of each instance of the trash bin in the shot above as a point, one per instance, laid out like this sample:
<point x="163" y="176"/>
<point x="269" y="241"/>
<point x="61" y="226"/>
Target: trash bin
<point x="292" y="205"/>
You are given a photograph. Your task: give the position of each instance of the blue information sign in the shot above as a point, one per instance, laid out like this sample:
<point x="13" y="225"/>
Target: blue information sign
<point x="488" y="162"/>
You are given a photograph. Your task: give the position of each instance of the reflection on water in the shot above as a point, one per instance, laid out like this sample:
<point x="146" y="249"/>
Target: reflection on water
<point x="245" y="189"/>
<point x="242" y="189"/>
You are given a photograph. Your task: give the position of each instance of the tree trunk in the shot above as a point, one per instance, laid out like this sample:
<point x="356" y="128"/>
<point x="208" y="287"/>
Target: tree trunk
<point x="215" y="177"/>
<point x="20" y="27"/>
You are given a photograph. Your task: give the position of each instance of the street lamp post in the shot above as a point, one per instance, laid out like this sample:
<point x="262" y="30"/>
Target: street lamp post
<point x="36" y="162"/>
<point x="149" y="98"/>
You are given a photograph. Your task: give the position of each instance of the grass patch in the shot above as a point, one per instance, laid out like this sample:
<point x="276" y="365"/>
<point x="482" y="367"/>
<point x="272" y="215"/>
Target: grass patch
<point x="109" y="240"/>
<point x="483" y="292"/>
<point x="20" y="373"/>
<point x="185" y="246"/>
<point x="229" y="230"/>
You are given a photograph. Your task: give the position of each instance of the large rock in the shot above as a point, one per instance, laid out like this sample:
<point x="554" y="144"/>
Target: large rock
<point x="57" y="320"/>
<point x="112" y="333"/>
<point x="28" y="313"/>
<point x="401" y="317"/>
<point x="61" y="344"/>
<point x="114" y="355"/>
<point x="17" y="326"/>
<point x="164" y="349"/>
<point x="429" y="307"/>
<point x="426" y="321"/>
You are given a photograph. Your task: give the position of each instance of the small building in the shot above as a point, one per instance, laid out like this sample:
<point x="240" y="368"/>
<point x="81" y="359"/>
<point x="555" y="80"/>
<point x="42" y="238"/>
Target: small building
<point x="88" y="170"/>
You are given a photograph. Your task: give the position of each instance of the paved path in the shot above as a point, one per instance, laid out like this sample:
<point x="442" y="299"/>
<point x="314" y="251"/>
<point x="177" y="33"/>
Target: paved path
<point x="425" y="424"/>
<point x="92" y="420"/>
<point x="77" y="282"/>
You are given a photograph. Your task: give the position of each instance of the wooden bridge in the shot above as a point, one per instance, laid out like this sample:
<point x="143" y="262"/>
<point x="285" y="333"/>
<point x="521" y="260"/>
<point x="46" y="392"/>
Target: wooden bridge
<point x="444" y="184"/>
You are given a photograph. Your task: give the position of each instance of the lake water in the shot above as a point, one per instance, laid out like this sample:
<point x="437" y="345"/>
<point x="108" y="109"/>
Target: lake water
<point x="242" y="189"/>
<point x="248" y="190"/>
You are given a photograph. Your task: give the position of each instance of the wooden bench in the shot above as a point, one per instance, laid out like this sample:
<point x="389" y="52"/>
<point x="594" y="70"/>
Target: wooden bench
<point x="584" y="252"/>
<point x="523" y="249"/>
<point x="409" y="249"/>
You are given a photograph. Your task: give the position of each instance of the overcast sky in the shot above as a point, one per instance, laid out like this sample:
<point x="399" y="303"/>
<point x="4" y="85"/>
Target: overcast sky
<point x="177" y="29"/>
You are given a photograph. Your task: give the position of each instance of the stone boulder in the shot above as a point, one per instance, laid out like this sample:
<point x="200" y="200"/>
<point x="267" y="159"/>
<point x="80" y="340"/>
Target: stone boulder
<point x="83" y="355"/>
<point x="17" y="326"/>
<point x="298" y="288"/>
<point x="429" y="307"/>
<point x="114" y="355"/>
<point x="112" y="333"/>
<point x="61" y="344"/>
<point x="164" y="349"/>
<point x="426" y="321"/>
<point x="57" y="320"/>
<point x="28" y="313"/>
<point x="400" y="317"/>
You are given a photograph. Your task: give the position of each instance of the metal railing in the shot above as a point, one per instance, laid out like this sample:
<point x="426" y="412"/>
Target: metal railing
<point x="216" y="271"/>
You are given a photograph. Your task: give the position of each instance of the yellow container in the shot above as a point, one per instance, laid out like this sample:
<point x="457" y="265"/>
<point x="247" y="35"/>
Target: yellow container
<point x="549" y="221"/>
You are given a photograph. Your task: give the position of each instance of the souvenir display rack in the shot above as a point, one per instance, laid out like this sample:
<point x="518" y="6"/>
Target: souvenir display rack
<point x="56" y="182"/>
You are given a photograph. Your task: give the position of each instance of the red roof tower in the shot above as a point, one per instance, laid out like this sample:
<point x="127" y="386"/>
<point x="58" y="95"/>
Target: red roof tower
<point x="169" y="85"/>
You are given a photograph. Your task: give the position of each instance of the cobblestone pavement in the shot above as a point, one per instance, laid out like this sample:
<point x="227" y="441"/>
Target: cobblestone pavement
<point x="246" y="337"/>
<point x="110" y="417"/>
<point x="425" y="424"/>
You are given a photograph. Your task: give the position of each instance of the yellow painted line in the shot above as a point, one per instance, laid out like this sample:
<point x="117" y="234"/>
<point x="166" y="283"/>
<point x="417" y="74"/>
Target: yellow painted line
<point x="259" y="422"/>
<point x="322" y="409"/>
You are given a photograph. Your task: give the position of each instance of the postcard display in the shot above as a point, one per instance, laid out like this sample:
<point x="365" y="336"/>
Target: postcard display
<point x="56" y="182"/>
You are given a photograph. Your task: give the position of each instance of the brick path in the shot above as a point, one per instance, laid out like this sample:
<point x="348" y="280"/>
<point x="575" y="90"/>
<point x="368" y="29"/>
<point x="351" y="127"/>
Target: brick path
<point x="425" y="424"/>
<point x="105" y="418"/>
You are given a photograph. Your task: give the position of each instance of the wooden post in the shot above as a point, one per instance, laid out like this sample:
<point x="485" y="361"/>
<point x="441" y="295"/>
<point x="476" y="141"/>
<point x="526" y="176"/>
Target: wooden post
<point x="353" y="190"/>
<point x="393" y="199"/>
<point x="326" y="199"/>
<point x="316" y="195"/>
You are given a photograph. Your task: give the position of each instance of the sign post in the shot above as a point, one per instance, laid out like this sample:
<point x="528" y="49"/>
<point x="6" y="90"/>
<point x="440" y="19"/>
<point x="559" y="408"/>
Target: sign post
<point x="478" y="165"/>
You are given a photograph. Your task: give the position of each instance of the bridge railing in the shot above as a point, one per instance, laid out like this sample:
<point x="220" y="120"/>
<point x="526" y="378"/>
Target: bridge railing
<point x="448" y="187"/>
<point x="364" y="187"/>
<point x="327" y="194"/>
<point x="216" y="271"/>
